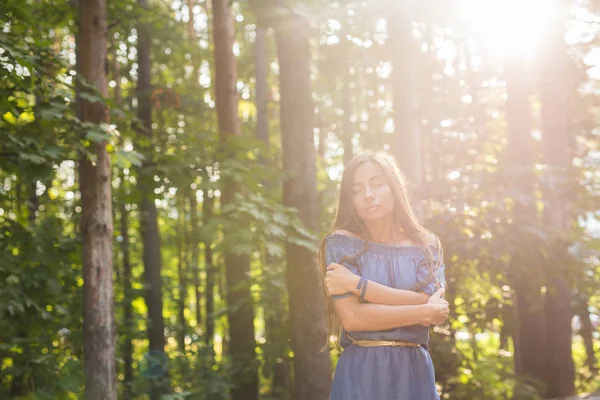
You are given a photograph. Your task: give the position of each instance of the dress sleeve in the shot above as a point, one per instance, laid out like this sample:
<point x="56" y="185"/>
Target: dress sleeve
<point x="431" y="283"/>
<point x="334" y="253"/>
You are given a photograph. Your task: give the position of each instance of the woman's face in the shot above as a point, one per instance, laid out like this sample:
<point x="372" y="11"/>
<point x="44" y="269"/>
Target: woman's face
<point x="372" y="195"/>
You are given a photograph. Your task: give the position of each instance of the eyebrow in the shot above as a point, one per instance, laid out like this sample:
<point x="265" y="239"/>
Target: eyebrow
<point x="370" y="179"/>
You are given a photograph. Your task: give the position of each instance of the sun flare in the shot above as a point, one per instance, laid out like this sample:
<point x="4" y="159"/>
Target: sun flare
<point x="507" y="25"/>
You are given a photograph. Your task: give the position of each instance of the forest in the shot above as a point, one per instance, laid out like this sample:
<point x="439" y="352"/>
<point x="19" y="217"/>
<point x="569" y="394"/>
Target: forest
<point x="168" y="169"/>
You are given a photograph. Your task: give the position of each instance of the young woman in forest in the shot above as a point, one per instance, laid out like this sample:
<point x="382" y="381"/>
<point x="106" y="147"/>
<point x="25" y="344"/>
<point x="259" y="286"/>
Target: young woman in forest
<point x="383" y="280"/>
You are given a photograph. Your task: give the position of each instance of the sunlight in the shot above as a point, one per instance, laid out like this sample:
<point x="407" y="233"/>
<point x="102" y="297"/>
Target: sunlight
<point x="508" y="25"/>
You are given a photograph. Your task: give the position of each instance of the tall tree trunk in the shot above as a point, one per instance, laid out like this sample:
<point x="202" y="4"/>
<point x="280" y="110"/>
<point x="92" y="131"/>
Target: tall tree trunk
<point x="149" y="226"/>
<point x="191" y="32"/>
<point x="211" y="270"/>
<point x="261" y="68"/>
<point x="587" y="333"/>
<point x="560" y="370"/>
<point x="312" y="369"/>
<point x="126" y="277"/>
<point x="526" y="272"/>
<point x="237" y="267"/>
<point x="194" y="240"/>
<point x="128" y="327"/>
<point x="128" y="324"/>
<point x="195" y="256"/>
<point x="407" y="139"/>
<point x="99" y="336"/>
<point x="182" y="272"/>
<point x="276" y="359"/>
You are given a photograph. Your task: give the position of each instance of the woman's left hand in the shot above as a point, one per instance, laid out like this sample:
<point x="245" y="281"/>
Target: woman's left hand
<point x="339" y="279"/>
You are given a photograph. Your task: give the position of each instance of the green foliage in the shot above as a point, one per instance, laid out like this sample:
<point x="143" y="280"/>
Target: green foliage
<point x="41" y="307"/>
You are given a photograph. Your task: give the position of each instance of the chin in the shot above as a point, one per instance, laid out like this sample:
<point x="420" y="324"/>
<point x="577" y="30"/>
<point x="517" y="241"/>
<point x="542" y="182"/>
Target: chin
<point x="376" y="216"/>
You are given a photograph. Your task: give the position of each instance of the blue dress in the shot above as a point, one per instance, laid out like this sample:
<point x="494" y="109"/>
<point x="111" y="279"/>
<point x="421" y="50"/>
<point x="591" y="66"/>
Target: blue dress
<point x="384" y="373"/>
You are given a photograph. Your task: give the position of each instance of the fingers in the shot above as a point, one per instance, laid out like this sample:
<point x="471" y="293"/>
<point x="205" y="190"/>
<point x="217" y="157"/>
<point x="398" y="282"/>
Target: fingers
<point x="333" y="266"/>
<point x="328" y="287"/>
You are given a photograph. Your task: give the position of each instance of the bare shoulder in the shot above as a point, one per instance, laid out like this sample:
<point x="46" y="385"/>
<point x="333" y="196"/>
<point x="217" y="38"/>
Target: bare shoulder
<point x="431" y="239"/>
<point x="344" y="232"/>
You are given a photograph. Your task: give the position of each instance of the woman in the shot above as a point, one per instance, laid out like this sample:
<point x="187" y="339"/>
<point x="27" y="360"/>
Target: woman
<point x="382" y="270"/>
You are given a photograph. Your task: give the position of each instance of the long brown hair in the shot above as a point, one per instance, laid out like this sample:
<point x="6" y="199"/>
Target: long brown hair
<point x="403" y="217"/>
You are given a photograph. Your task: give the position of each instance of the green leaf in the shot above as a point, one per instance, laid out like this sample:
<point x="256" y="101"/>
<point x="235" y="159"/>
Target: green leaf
<point x="34" y="158"/>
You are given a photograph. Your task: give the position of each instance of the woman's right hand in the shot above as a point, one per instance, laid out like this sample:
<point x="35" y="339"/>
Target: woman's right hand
<point x="438" y="309"/>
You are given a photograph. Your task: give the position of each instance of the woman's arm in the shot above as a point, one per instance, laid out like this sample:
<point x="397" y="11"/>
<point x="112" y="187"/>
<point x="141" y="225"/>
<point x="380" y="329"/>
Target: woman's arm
<point x="340" y="280"/>
<point x="355" y="316"/>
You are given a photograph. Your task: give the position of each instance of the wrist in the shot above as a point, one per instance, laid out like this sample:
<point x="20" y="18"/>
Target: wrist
<point x="427" y="313"/>
<point x="354" y="284"/>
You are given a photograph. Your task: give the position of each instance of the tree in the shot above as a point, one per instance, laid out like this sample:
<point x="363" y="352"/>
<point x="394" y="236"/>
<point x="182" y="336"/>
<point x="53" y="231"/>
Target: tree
<point x="560" y="370"/>
<point x="149" y="226"/>
<point x="312" y="369"/>
<point x="237" y="266"/>
<point x="525" y="270"/>
<point x="99" y="338"/>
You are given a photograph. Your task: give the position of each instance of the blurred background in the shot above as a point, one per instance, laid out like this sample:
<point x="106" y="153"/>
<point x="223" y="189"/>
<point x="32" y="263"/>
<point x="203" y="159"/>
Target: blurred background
<point x="168" y="167"/>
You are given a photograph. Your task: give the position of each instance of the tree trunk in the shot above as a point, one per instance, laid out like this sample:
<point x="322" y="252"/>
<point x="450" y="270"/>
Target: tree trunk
<point x="99" y="336"/>
<point x="312" y="369"/>
<point x="237" y="267"/>
<point x="128" y="323"/>
<point x="560" y="370"/>
<point x="128" y="294"/>
<point x="181" y="271"/>
<point x="191" y="32"/>
<point x="149" y="226"/>
<point x="195" y="257"/>
<point x="407" y="139"/>
<point x="587" y="334"/>
<point x="194" y="240"/>
<point x="276" y="333"/>
<point x="211" y="271"/>
<point x="525" y="271"/>
<point x="261" y="68"/>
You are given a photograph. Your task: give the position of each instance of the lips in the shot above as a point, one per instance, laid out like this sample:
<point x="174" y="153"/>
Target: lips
<point x="373" y="207"/>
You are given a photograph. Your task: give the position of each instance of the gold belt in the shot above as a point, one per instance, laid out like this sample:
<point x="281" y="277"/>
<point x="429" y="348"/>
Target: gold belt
<point x="379" y="343"/>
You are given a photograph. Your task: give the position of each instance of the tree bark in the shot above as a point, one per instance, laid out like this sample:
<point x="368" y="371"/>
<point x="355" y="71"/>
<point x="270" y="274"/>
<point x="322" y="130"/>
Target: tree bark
<point x="560" y="370"/>
<point x="194" y="240"/>
<point x="195" y="257"/>
<point x="312" y="369"/>
<point x="525" y="272"/>
<point x="127" y="297"/>
<point x="182" y="272"/>
<point x="211" y="271"/>
<point x="587" y="334"/>
<point x="237" y="267"/>
<point x="99" y="336"/>
<point x="261" y="70"/>
<point x="149" y="226"/>
<point x="191" y="32"/>
<point x="126" y="278"/>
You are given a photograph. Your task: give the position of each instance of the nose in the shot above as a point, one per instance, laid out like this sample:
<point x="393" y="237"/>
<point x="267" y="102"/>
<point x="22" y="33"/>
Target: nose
<point x="369" y="193"/>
